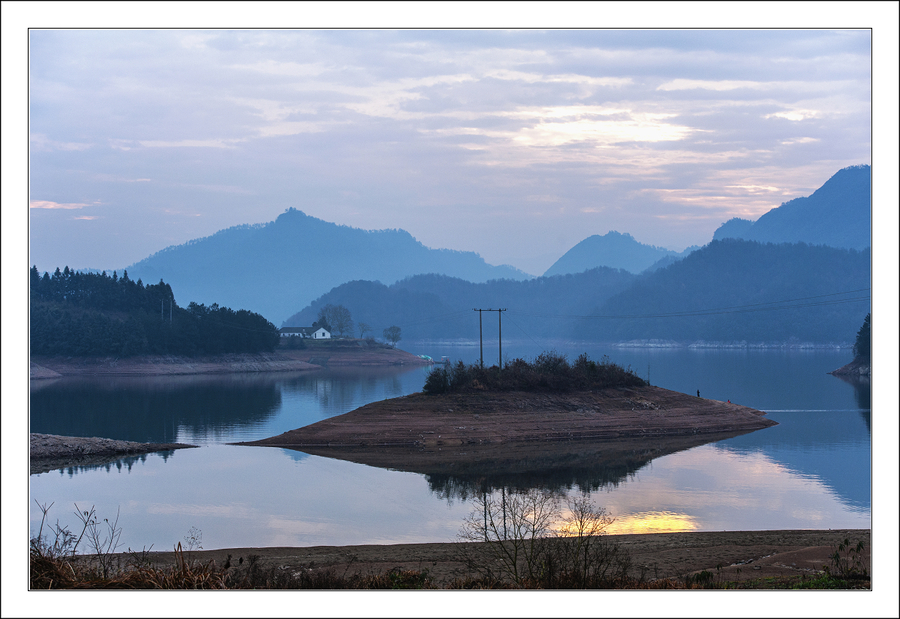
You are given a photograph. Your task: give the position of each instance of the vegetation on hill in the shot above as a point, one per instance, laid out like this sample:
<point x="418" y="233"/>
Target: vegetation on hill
<point x="862" y="348"/>
<point x="92" y="314"/>
<point x="549" y="371"/>
<point x="730" y="290"/>
<point x="837" y="214"/>
<point x="437" y="306"/>
<point x="734" y="290"/>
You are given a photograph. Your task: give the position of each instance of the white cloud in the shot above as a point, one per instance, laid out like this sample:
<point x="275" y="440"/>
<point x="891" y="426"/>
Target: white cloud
<point x="47" y="204"/>
<point x="210" y="143"/>
<point x="795" y="114"/>
<point x="720" y="85"/>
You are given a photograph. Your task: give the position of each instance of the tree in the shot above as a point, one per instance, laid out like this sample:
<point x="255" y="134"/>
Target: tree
<point x="862" y="349"/>
<point x="392" y="335"/>
<point x="363" y="328"/>
<point x="337" y="317"/>
<point x="531" y="542"/>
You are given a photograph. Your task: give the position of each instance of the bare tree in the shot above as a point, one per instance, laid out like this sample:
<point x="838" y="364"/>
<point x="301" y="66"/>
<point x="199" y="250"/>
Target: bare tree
<point x="337" y="317"/>
<point x="514" y="525"/>
<point x="364" y="328"/>
<point x="529" y="541"/>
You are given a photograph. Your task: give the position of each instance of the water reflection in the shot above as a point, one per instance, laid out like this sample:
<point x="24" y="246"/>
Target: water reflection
<point x="654" y="522"/>
<point x="205" y="409"/>
<point x="152" y="409"/>
<point x="461" y="472"/>
<point x="811" y="471"/>
<point x="101" y="463"/>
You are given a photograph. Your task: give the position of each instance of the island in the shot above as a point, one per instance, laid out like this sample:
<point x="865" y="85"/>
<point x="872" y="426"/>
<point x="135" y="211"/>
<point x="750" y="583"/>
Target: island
<point x="501" y="437"/>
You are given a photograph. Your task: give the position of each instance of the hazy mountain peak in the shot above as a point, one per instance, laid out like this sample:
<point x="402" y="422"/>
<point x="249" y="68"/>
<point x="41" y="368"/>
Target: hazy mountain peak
<point x="278" y="267"/>
<point x="837" y="214"/>
<point x="614" y="249"/>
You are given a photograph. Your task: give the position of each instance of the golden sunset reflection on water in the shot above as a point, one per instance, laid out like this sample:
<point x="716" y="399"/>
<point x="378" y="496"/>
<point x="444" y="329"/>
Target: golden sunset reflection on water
<point x="652" y="522"/>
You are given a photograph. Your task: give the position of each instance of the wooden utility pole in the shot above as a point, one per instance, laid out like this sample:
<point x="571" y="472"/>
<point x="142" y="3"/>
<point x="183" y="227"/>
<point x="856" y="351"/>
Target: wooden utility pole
<point x="500" y="325"/>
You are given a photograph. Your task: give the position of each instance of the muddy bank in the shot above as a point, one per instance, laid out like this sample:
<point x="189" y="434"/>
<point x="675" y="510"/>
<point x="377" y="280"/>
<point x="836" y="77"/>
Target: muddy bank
<point x="499" y="433"/>
<point x="743" y="555"/>
<point x="312" y="358"/>
<point x="50" y="451"/>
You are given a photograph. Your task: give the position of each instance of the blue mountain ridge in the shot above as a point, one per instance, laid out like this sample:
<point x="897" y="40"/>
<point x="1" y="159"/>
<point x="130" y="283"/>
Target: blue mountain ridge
<point x="275" y="268"/>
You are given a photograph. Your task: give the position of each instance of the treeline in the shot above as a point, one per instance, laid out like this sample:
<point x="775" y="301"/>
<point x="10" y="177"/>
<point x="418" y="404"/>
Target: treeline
<point x="727" y="291"/>
<point x="435" y="306"/>
<point x="91" y="314"/>
<point x="735" y="290"/>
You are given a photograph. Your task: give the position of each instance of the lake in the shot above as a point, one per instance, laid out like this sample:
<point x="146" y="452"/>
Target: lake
<point x="812" y="471"/>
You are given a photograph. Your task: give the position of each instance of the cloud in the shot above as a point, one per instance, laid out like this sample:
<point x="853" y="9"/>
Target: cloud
<point x="211" y="143"/>
<point x="41" y="143"/>
<point x="795" y="114"/>
<point x="47" y="204"/>
<point x="720" y="85"/>
<point x="86" y="217"/>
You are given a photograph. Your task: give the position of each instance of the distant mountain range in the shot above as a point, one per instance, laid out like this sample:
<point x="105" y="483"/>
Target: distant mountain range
<point x="438" y="307"/>
<point x="727" y="291"/>
<point x="614" y="250"/>
<point x="287" y="267"/>
<point x="275" y="268"/>
<point x="837" y="214"/>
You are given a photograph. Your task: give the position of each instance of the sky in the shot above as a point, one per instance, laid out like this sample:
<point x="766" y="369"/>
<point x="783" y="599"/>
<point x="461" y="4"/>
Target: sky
<point x="515" y="144"/>
<point x="496" y="137"/>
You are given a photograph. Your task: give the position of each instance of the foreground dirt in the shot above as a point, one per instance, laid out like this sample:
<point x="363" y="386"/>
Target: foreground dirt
<point x="742" y="555"/>
<point x="313" y="358"/>
<point x="51" y="451"/>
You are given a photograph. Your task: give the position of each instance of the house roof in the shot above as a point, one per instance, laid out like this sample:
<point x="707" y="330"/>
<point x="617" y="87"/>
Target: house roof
<point x="302" y="330"/>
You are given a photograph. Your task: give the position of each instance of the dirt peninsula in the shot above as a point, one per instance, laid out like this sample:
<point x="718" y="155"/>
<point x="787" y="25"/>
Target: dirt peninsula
<point x="483" y="434"/>
<point x="337" y="353"/>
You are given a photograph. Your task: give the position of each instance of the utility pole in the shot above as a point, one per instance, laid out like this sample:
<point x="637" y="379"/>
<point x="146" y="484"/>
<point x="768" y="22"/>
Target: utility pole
<point x="480" y="340"/>
<point x="500" y="325"/>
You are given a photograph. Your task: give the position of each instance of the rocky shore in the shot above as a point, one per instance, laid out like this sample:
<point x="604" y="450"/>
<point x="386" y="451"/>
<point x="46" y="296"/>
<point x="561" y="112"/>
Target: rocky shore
<point x="51" y="451"/>
<point x="858" y="368"/>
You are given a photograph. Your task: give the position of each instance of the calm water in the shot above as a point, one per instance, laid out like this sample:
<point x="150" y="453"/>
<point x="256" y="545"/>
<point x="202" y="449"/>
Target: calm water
<point x="811" y="471"/>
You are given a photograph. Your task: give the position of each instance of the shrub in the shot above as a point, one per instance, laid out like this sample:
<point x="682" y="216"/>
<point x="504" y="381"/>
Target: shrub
<point x="549" y="371"/>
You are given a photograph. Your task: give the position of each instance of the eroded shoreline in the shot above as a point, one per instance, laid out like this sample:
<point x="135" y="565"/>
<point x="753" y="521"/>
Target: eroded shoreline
<point x="52" y="451"/>
<point x="342" y="354"/>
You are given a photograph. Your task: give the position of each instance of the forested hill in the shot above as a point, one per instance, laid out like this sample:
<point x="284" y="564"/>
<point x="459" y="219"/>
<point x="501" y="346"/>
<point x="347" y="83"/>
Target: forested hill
<point x="744" y="291"/>
<point x="91" y="314"/>
<point x="728" y="291"/>
<point x="837" y="214"/>
<point x="278" y="267"/>
<point x="437" y="306"/>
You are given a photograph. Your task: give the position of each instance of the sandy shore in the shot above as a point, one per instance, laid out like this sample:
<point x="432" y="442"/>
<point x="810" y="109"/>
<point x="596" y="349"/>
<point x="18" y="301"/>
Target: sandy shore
<point x="741" y="555"/>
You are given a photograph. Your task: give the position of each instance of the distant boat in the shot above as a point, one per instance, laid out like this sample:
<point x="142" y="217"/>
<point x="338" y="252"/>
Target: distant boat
<point x="427" y="358"/>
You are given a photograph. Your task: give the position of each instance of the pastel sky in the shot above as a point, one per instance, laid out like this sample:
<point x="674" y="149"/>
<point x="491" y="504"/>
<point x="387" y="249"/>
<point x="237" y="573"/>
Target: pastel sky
<point x="516" y="144"/>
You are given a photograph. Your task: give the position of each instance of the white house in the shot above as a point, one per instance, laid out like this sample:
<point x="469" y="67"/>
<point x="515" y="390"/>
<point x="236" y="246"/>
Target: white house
<point x="316" y="333"/>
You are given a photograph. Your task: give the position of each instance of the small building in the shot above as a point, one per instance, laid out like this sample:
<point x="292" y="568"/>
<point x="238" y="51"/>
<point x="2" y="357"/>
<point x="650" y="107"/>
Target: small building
<point x="315" y="333"/>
